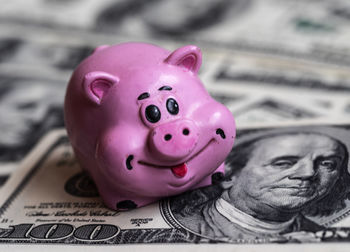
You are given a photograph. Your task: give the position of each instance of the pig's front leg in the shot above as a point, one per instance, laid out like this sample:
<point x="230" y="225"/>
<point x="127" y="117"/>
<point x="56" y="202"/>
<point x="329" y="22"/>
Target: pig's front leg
<point x="123" y="200"/>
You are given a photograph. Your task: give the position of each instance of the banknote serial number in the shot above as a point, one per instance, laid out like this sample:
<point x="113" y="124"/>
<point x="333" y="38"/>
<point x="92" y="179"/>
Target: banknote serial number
<point x="58" y="231"/>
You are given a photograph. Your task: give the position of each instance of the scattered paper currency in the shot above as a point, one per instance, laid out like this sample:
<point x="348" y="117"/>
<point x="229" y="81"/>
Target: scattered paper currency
<point x="317" y="29"/>
<point x="268" y="61"/>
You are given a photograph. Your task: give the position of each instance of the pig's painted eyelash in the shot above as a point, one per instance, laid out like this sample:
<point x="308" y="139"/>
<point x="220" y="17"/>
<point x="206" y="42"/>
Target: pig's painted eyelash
<point x="143" y="96"/>
<point x="165" y="88"/>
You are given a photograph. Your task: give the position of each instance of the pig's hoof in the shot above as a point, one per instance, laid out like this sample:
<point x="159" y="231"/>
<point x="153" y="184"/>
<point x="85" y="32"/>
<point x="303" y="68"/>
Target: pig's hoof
<point x="126" y="205"/>
<point x="217" y="177"/>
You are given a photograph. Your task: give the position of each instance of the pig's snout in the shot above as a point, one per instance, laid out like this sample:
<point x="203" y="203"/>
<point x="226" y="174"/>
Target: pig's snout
<point x="174" y="140"/>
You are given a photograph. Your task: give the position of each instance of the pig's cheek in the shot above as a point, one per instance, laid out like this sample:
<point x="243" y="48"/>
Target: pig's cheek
<point x="217" y="122"/>
<point x="115" y="159"/>
<point x="225" y="125"/>
<point x="216" y="118"/>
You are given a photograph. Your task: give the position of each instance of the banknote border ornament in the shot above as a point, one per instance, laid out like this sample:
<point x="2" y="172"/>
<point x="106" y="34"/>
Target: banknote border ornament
<point x="29" y="175"/>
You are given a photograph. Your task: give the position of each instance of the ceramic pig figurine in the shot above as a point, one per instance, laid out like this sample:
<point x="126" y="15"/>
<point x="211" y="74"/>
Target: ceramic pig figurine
<point x="142" y="124"/>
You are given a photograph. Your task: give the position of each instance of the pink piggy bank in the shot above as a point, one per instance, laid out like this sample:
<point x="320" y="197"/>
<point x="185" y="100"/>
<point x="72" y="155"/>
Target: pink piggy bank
<point x="142" y="124"/>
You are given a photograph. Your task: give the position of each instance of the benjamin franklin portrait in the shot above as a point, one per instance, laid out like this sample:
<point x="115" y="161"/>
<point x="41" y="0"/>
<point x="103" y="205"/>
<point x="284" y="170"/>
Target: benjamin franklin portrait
<point x="278" y="181"/>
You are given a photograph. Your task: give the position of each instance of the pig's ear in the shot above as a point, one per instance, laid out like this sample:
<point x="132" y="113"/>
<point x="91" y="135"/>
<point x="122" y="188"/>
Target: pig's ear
<point x="100" y="48"/>
<point x="97" y="84"/>
<point x="188" y="57"/>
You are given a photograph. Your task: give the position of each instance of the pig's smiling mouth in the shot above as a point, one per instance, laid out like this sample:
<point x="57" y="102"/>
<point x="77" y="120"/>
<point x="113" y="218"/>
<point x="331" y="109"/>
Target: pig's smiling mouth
<point x="179" y="170"/>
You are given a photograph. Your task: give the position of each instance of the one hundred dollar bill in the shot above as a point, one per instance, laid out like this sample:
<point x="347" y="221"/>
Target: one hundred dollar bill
<point x="285" y="184"/>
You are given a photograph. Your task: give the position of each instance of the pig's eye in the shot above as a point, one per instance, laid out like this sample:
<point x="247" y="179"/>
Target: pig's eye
<point x="152" y="113"/>
<point x="172" y="106"/>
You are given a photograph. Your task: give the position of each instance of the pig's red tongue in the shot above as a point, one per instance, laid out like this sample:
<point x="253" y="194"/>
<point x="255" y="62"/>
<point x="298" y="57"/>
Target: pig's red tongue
<point x="180" y="170"/>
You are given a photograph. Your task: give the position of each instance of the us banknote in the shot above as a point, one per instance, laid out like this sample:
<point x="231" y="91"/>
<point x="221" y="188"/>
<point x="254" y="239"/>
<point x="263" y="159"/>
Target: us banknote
<point x="282" y="185"/>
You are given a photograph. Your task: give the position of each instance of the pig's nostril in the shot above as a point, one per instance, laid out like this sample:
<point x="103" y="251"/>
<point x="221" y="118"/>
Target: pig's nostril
<point x="186" y="132"/>
<point x="167" y="137"/>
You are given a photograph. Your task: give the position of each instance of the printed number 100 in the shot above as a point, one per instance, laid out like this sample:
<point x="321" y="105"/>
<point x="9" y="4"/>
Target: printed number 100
<point x="55" y="231"/>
